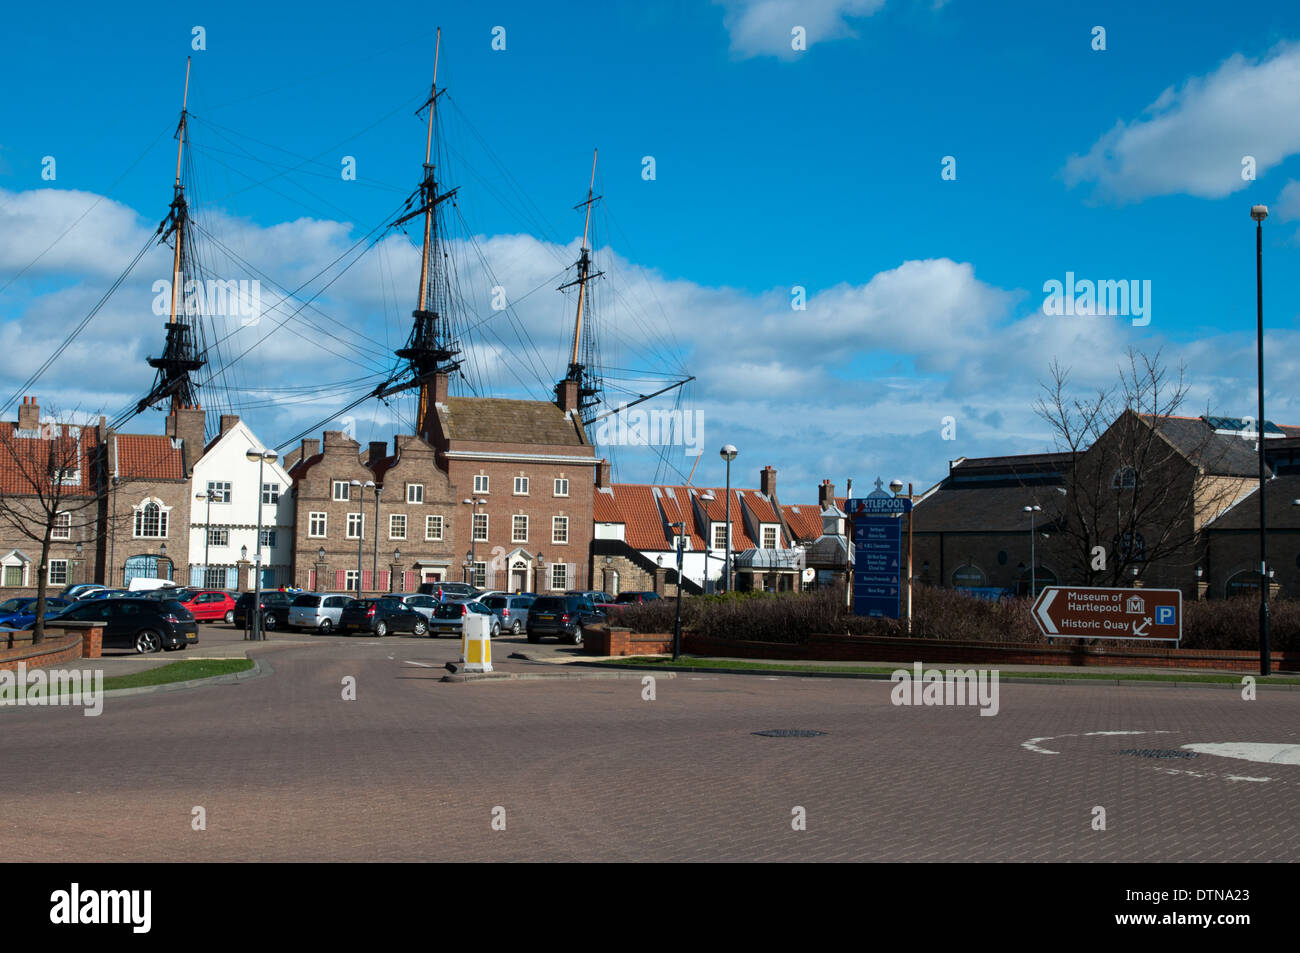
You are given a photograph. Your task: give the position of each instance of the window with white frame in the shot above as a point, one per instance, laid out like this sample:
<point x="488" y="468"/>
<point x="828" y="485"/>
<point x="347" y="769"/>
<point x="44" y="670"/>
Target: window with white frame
<point x="316" y="523"/>
<point x="350" y="580"/>
<point x="480" y="576"/>
<point x="356" y="525"/>
<point x="415" y="492"/>
<point x="559" y="529"/>
<point x="270" y="493"/>
<point x="559" y="576"/>
<point x="219" y="491"/>
<point x="268" y="537"/>
<point x="561" y="487"/>
<point x="150" y="520"/>
<point x="480" y="527"/>
<point x="218" y="536"/>
<point x="519" y="529"/>
<point x="397" y="526"/>
<point x="14" y="575"/>
<point x="521" y="486"/>
<point x="342" y="491"/>
<point x="769" y="537"/>
<point x="481" y="483"/>
<point x="58" y="572"/>
<point x="214" y="578"/>
<point x="719" y="535"/>
<point x="62" y="528"/>
<point x="15" y="569"/>
<point x="433" y="527"/>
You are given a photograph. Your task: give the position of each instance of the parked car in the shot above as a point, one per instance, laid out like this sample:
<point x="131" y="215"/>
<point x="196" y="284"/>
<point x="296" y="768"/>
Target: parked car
<point x="561" y="616"/>
<point x="80" y="590"/>
<point x="317" y="610"/>
<point x="106" y="594"/>
<point x="20" y="613"/>
<point x="449" y="590"/>
<point x="275" y="609"/>
<point x="635" y="598"/>
<point x="381" y="616"/>
<point x="206" y="605"/>
<point x="511" y="611"/>
<point x="449" y="618"/>
<point x="145" y="625"/>
<point x="419" y="602"/>
<point x="147" y="583"/>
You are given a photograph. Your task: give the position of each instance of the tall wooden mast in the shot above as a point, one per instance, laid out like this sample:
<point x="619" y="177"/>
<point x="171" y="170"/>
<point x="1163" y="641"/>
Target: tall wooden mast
<point x="584" y="263"/>
<point x="180" y="355"/>
<point x="426" y="353"/>
<point x="581" y="358"/>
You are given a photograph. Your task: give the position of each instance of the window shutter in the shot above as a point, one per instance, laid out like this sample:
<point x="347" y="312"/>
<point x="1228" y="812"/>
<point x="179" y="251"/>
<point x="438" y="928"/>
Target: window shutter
<point x="339" y="582"/>
<point x="408" y="581"/>
<point x="311" y="579"/>
<point x="367" y="578"/>
<point x="383" y="580"/>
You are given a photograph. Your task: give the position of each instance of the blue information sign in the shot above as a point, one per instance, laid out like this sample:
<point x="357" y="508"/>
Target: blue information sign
<point x="877" y="565"/>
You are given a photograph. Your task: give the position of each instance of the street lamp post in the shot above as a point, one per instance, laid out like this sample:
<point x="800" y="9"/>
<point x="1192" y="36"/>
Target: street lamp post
<point x="1259" y="213"/>
<point x="262" y="457"/>
<point x="677" y="625"/>
<point x="375" y="571"/>
<point x="361" y="524"/>
<point x="728" y="453"/>
<point x="207" y="531"/>
<point x="1033" y="561"/>
<point x="475" y="502"/>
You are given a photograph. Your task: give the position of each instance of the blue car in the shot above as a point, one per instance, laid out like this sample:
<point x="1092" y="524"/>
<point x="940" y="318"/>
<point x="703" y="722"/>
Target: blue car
<point x="20" y="613"/>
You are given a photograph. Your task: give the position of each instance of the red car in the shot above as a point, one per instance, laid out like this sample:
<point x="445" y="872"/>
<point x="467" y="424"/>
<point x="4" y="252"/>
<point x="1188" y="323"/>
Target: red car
<point x="210" y="605"/>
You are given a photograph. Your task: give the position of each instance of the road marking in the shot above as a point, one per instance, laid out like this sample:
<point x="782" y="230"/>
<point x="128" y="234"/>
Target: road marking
<point x="1032" y="743"/>
<point x="1250" y="751"/>
<point x="421" y="664"/>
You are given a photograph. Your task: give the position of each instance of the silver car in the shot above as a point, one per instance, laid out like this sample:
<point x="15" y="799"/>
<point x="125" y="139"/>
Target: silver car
<point x="317" y="610"/>
<point x="511" y="611"/>
<point x="418" y="601"/>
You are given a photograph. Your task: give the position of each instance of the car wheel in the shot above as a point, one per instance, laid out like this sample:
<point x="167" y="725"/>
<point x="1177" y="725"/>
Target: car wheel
<point x="381" y="629"/>
<point x="516" y="628"/>
<point x="576" y="638"/>
<point x="533" y="636"/>
<point x="496" y="631"/>
<point x="421" y="628"/>
<point x="230" y="617"/>
<point x="148" y="642"/>
<point x="325" y="626"/>
<point x="268" y="622"/>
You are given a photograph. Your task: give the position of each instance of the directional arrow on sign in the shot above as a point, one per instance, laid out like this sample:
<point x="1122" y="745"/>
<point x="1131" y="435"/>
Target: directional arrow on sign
<point x="1040" y="610"/>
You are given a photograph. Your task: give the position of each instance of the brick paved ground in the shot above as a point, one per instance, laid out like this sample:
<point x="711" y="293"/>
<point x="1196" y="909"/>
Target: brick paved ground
<point x="587" y="770"/>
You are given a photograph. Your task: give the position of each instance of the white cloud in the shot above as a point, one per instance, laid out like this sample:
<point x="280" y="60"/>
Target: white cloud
<point x="763" y="27"/>
<point x="1192" y="138"/>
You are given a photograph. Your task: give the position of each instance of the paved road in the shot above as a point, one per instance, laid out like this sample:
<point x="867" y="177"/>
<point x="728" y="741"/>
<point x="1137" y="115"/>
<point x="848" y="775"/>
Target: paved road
<point x="586" y="770"/>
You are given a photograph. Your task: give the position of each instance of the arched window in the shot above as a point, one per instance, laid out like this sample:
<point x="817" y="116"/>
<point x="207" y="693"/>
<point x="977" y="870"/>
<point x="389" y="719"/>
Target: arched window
<point x="1033" y="583"/>
<point x="151" y="520"/>
<point x="969" y="577"/>
<point x="1125" y="478"/>
<point x="1244" y="583"/>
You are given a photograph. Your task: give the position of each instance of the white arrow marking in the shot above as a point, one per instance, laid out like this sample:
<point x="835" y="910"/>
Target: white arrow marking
<point x="1048" y="625"/>
<point x="1143" y="629"/>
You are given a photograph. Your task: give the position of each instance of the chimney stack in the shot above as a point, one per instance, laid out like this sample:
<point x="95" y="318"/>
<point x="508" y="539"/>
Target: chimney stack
<point x="602" y="473"/>
<point x="186" y="424"/>
<point x="310" y="448"/>
<point x="826" y="494"/>
<point x="29" y="414"/>
<point x="227" y="422"/>
<point x="566" y="395"/>
<point x="767" y="481"/>
<point x="378" y="450"/>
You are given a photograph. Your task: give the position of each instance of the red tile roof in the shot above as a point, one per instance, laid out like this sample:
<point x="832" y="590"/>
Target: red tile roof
<point x="804" y="520"/>
<point x="148" y="457"/>
<point x="645" y="510"/>
<point x="25" y="461"/>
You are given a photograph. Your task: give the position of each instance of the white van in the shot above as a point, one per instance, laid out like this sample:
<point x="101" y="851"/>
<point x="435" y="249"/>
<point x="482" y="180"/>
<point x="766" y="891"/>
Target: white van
<point x="141" y="584"/>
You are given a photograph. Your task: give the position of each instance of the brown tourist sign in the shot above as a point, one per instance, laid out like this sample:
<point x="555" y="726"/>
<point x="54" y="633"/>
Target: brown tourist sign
<point x="1097" y="612"/>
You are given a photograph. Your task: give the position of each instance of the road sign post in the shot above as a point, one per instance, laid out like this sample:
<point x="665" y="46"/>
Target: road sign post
<point x="877" y="554"/>
<point x="1097" y="612"/>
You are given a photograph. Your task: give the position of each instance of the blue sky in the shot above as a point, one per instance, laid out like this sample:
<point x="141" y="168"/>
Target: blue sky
<point x="774" y="168"/>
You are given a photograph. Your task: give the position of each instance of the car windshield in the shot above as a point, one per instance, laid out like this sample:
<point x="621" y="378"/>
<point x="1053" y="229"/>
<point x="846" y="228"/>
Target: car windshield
<point x="548" y="604"/>
<point x="448" y="610"/>
<point x="307" y="602"/>
<point x="13" y="605"/>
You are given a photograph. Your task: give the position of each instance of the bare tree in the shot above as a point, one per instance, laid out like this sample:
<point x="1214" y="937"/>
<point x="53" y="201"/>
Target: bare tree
<point x="1141" y="480"/>
<point x="50" y="490"/>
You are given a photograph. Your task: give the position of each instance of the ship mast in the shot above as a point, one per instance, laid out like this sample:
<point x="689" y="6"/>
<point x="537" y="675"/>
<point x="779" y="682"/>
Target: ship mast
<point x="579" y="363"/>
<point x="180" y="357"/>
<point x="426" y="354"/>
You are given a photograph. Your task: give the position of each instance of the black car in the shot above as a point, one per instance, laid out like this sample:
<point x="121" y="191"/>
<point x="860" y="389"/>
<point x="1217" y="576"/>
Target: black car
<point x="563" y="617"/>
<point x="145" y="625"/>
<point x="381" y="616"/>
<point x="275" y="609"/>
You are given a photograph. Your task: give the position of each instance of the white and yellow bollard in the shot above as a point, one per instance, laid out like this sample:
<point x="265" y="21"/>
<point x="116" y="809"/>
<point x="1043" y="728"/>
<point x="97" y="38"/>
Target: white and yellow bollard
<point x="476" y="642"/>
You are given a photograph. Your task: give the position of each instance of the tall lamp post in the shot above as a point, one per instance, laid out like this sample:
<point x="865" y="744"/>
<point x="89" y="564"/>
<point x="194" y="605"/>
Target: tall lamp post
<point x="1033" y="560"/>
<point x="728" y="453"/>
<point x="361" y="524"/>
<point x="262" y="457"/>
<point x="207" y="531"/>
<point x="374" y="575"/>
<point x="475" y="503"/>
<point x="1258" y="213"/>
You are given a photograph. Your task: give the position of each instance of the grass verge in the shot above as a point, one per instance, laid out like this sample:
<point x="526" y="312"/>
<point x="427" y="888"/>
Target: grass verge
<point x="642" y="661"/>
<point x="179" y="672"/>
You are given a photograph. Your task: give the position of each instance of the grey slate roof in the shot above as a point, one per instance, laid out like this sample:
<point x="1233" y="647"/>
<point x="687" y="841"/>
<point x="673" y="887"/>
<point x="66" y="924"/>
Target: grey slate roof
<point x="498" y="420"/>
<point x="1278" y="494"/>
<point x="988" y="509"/>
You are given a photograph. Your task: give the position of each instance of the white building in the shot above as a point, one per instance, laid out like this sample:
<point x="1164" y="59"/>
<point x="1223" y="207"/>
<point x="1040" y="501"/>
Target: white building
<point x="223" y="529"/>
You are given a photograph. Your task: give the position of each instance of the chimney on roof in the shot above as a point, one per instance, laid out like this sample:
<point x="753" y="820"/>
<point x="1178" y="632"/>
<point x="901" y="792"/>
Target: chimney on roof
<point x="378" y="450"/>
<point x="602" y="473"/>
<point x="767" y="481"/>
<point x="310" y="448"/>
<point x="228" y="421"/>
<point x="826" y="494"/>
<point x="29" y="414"/>
<point x="186" y="424"/>
<point x="566" y="395"/>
